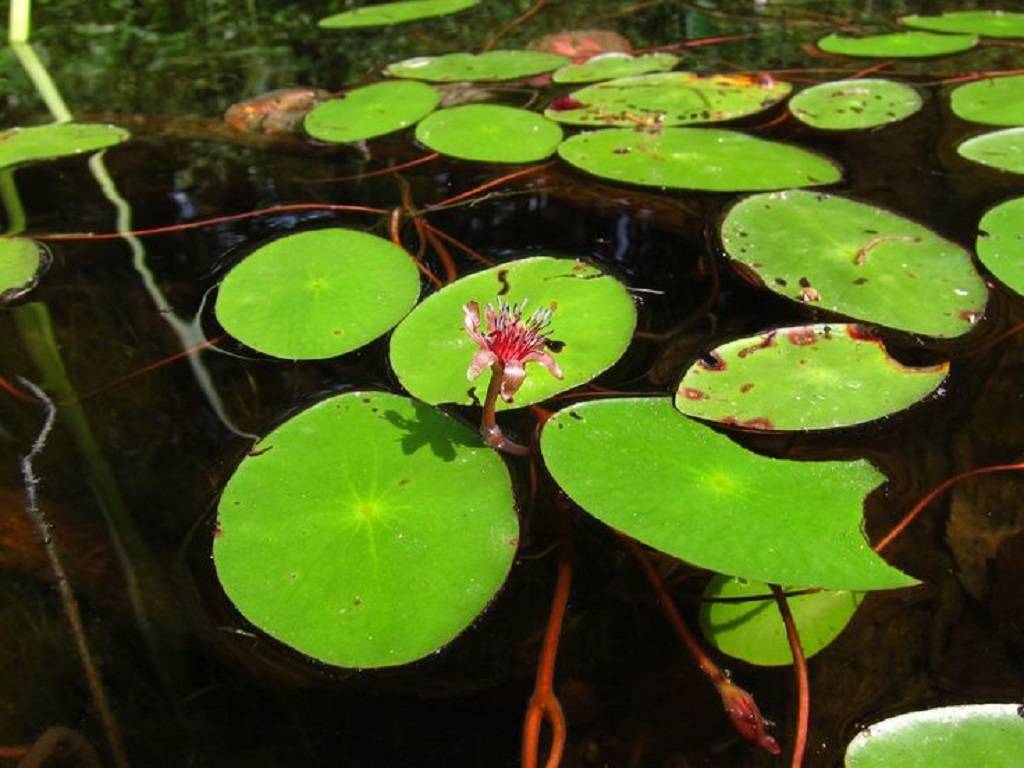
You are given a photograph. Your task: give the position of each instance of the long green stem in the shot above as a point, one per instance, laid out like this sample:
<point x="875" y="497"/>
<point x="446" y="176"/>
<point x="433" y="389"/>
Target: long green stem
<point x="19" y="21"/>
<point x="41" y="79"/>
<point x="11" y="201"/>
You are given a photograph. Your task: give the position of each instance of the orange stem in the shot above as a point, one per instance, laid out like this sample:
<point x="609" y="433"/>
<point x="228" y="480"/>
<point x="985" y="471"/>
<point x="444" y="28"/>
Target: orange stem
<point x="450" y="272"/>
<point x="872" y="69"/>
<point x="803" y="707"/>
<point x="490" y="185"/>
<point x="12" y="390"/>
<point x="13" y="753"/>
<point x="459" y="244"/>
<point x="393" y="230"/>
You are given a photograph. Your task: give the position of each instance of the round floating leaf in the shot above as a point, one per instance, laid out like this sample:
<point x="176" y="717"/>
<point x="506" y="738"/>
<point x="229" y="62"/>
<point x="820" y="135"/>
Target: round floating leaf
<point x="317" y="294"/>
<point x="22" y="145"/>
<point x="680" y="487"/>
<point x="493" y="65"/>
<point x="590" y="328"/>
<point x="373" y="110"/>
<point x="811" y="377"/>
<point x="987" y="23"/>
<point x="696" y="158"/>
<point x="754" y="631"/>
<point x="993" y="101"/>
<point x="386" y="14"/>
<point x="856" y="259"/>
<point x="1001" y="243"/>
<point x="897" y="45"/>
<point x="976" y="735"/>
<point x="1003" y="150"/>
<point x="367" y="531"/>
<point x="22" y="261"/>
<point x="614" y="64"/>
<point x="854" y="104"/>
<point x="490" y="133"/>
<point x="669" y="98"/>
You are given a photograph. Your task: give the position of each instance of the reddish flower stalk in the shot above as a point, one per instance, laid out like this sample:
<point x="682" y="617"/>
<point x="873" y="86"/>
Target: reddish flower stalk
<point x="508" y="344"/>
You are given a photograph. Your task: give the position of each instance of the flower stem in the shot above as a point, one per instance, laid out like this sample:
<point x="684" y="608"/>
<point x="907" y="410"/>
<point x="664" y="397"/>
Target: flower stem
<point x="803" y="706"/>
<point x="489" y="429"/>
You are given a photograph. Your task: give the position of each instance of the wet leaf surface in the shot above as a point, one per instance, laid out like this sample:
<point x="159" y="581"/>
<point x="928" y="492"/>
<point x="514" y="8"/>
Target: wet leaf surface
<point x="1002" y="150"/>
<point x="606" y="66"/>
<point x="386" y="14"/>
<point x="490" y="133"/>
<point x="898" y="45"/>
<point x="1000" y="243"/>
<point x="854" y="104"/>
<point x="370" y="111"/>
<point x="23" y="145"/>
<point x="994" y="23"/>
<point x="22" y="261"/>
<point x="493" y="65"/>
<point x="992" y="101"/>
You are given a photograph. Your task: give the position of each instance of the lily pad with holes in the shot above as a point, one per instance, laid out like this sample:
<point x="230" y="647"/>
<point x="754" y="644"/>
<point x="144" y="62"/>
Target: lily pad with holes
<point x="682" y="488"/>
<point x="992" y="101"/>
<point x="854" y="104"/>
<point x="696" y="158"/>
<point x="42" y="142"/>
<point x="1000" y="243"/>
<point x="373" y="110"/>
<point x="606" y="66"/>
<point x="803" y="378"/>
<point x="22" y="262"/>
<point x="317" y="294"/>
<point x="669" y="98"/>
<point x="1002" y="150"/>
<point x="986" y="23"/>
<point x="367" y="531"/>
<point x="591" y="327"/>
<point x="386" y="14"/>
<point x="897" y="45"/>
<point x="753" y="630"/>
<point x="490" y="133"/>
<point x="493" y="65"/>
<point x="864" y="262"/>
<point x="989" y="735"/>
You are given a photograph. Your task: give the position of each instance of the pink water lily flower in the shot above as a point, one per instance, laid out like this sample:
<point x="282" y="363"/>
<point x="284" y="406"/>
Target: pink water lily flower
<point x="509" y="343"/>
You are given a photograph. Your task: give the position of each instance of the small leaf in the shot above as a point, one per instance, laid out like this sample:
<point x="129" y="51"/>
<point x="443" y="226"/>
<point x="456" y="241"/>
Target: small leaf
<point x="42" y="142"/>
<point x="1002" y="150"/>
<point x="1000" y="243"/>
<point x="493" y="65"/>
<point x="854" y="104"/>
<point x="370" y="111"/>
<point x="992" y="101"/>
<point x="386" y="14"/>
<point x="490" y="133"/>
<point x="987" y="23"/>
<point x="898" y="45"/>
<point x="22" y="262"/>
<point x="606" y="66"/>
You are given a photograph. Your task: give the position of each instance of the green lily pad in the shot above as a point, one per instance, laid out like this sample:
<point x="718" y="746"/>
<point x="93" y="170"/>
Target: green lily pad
<point x="669" y="98"/>
<point x="493" y="65"/>
<point x="981" y="735"/>
<point x="373" y="110"/>
<point x="696" y="158"/>
<point x="682" y="488"/>
<point x="490" y="133"/>
<point x="809" y="377"/>
<point x="993" y="101"/>
<point x="1000" y="243"/>
<point x="367" y="531"/>
<point x="614" y="64"/>
<point x="22" y="262"/>
<point x="41" y="142"/>
<point x="854" y="104"/>
<point x="857" y="260"/>
<point x="591" y="327"/>
<point x="317" y="294"/>
<point x="754" y="631"/>
<point x="1002" y="150"/>
<point x="897" y="45"/>
<point x="986" y="23"/>
<point x="386" y="14"/>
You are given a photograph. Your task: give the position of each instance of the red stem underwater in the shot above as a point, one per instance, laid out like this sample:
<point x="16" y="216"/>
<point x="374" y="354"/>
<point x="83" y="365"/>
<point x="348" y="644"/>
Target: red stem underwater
<point x="803" y="688"/>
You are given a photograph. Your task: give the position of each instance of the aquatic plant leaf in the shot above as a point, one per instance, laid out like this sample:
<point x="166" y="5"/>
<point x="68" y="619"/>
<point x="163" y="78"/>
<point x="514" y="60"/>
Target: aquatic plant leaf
<point x="855" y="259"/>
<point x="985" y="23"/>
<point x="42" y="142"/>
<point x="847" y="105"/>
<point x="896" y="45"/>
<point x="669" y="98"/>
<point x="373" y="110"/>
<point x="386" y="14"/>
<point x="490" y="133"/>
<point x="317" y="294"/>
<point x="992" y="101"/>
<point x="754" y="631"/>
<point x="493" y="65"/>
<point x="696" y="158"/>
<point x="989" y="735"/>
<point x="803" y="378"/>
<point x="367" y="531"/>
<point x="674" y="484"/>
<point x="1000" y="243"/>
<point x="1002" y="150"/>
<point x="22" y="261"/>
<point x="590" y="329"/>
<point x="614" y="64"/>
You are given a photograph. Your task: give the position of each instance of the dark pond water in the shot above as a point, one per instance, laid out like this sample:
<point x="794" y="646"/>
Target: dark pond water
<point x="132" y="472"/>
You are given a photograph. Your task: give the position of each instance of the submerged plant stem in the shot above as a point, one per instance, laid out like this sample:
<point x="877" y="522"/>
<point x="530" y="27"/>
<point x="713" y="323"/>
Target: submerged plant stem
<point x="489" y="429"/>
<point x="532" y="11"/>
<point x="803" y="688"/>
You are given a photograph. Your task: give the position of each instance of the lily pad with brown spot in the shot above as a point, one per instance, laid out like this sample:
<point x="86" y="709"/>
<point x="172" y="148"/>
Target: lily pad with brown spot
<point x="803" y="378"/>
<point x="854" y="104"/>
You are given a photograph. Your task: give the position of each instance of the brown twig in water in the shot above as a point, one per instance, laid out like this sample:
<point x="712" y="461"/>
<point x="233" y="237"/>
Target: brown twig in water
<point x="491" y="41"/>
<point x="803" y="688"/>
<point x="474" y="255"/>
<point x="490" y="185"/>
<point x="543" y="702"/>
<point x="379" y="172"/>
<point x="70" y="604"/>
<point x="872" y="69"/>
<point x="394" y="231"/>
<point x="450" y="272"/>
